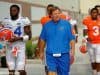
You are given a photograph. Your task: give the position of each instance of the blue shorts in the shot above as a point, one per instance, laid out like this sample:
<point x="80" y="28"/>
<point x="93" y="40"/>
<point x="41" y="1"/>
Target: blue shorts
<point x="60" y="65"/>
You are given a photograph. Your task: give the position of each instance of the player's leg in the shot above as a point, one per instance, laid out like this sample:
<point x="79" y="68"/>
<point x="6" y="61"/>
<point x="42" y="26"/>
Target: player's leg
<point x="98" y="68"/>
<point x="91" y="52"/>
<point x="11" y="72"/>
<point x="46" y="70"/>
<point x="98" y="59"/>
<point x="51" y="64"/>
<point x="20" y="62"/>
<point x="22" y="72"/>
<point x="94" y="67"/>
<point x="10" y="62"/>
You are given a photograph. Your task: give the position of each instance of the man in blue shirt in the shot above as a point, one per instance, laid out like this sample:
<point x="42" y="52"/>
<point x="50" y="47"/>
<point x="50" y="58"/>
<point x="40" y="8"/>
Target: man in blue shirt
<point x="59" y="41"/>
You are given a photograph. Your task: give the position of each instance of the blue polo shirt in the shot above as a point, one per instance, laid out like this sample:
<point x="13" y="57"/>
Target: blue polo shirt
<point x="57" y="36"/>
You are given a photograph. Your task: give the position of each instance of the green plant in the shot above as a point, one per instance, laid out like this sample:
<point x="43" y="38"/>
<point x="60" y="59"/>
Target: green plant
<point x="30" y="49"/>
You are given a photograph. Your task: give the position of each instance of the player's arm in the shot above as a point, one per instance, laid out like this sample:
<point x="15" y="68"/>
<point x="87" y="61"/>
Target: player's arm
<point x="27" y="30"/>
<point x="74" y="24"/>
<point x="28" y="33"/>
<point x="27" y="36"/>
<point x="72" y="40"/>
<point x="76" y="30"/>
<point x="85" y="29"/>
<point x="85" y="36"/>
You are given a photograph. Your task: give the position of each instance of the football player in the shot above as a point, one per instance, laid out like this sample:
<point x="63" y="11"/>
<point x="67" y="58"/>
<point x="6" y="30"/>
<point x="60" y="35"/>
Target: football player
<point x="92" y="36"/>
<point x="15" y="53"/>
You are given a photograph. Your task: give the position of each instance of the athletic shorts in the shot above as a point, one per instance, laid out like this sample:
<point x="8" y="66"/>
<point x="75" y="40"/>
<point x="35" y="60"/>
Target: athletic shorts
<point x="60" y="65"/>
<point x="94" y="52"/>
<point x="18" y="62"/>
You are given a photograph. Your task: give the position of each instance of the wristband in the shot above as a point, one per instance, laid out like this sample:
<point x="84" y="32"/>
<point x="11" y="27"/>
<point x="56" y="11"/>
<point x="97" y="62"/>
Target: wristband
<point x="25" y="38"/>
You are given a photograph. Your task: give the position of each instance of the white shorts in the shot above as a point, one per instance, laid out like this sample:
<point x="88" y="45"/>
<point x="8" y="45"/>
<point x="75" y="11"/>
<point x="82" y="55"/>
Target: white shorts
<point x="16" y="63"/>
<point x="94" y="52"/>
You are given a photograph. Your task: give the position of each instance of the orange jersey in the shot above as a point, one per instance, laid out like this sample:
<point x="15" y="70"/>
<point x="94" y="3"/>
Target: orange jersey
<point x="63" y="16"/>
<point x="86" y="20"/>
<point x="99" y="17"/>
<point x="45" y="19"/>
<point x="93" y="28"/>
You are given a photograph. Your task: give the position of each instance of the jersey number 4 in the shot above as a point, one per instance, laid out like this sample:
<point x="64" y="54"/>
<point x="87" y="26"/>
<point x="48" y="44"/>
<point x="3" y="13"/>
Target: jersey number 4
<point x="18" y="31"/>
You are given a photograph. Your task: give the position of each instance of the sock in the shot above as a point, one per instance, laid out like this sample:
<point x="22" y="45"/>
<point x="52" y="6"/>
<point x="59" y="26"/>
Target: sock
<point x="94" y="72"/>
<point x="98" y="73"/>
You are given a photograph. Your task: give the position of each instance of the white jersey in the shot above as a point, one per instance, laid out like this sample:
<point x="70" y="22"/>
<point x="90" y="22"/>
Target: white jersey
<point x="73" y="22"/>
<point x="17" y="26"/>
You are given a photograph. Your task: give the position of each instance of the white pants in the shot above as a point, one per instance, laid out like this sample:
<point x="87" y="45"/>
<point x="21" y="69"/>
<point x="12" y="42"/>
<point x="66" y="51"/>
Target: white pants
<point x="16" y="63"/>
<point x="94" y="52"/>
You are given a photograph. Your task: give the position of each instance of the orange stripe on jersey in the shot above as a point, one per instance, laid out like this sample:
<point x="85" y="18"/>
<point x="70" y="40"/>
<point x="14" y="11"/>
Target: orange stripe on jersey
<point x="93" y="30"/>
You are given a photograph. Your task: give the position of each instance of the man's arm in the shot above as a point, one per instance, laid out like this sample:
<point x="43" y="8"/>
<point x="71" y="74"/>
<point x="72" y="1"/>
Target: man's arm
<point x="42" y="42"/>
<point x="41" y="49"/>
<point x="72" y="45"/>
<point x="72" y="40"/>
